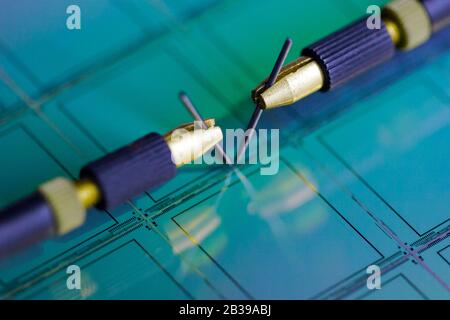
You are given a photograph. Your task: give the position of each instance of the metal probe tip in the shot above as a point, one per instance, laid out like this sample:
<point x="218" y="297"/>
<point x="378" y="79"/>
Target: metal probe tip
<point x="191" y="141"/>
<point x="295" y="81"/>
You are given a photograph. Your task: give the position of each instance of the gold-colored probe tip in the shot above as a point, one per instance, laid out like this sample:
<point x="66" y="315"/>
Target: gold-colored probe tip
<point x="88" y="193"/>
<point x="296" y="81"/>
<point x="190" y="141"/>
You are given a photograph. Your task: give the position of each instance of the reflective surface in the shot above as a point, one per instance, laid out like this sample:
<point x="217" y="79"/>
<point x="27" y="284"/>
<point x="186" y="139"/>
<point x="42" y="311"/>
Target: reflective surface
<point x="363" y="174"/>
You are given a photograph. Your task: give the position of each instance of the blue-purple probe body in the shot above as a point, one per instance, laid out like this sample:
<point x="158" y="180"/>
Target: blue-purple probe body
<point x="120" y="175"/>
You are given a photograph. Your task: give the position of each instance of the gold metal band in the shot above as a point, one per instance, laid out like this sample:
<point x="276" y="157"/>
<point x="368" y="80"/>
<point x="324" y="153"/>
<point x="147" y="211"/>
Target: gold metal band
<point x="305" y="78"/>
<point x="407" y="22"/>
<point x="88" y="192"/>
<point x="68" y="211"/>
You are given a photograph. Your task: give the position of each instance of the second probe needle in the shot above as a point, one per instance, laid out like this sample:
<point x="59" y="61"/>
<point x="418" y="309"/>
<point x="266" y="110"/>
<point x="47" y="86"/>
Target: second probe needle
<point x="270" y="81"/>
<point x="196" y="115"/>
<point x="354" y="49"/>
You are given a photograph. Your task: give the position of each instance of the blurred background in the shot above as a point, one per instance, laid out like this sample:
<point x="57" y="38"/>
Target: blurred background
<point x="364" y="170"/>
